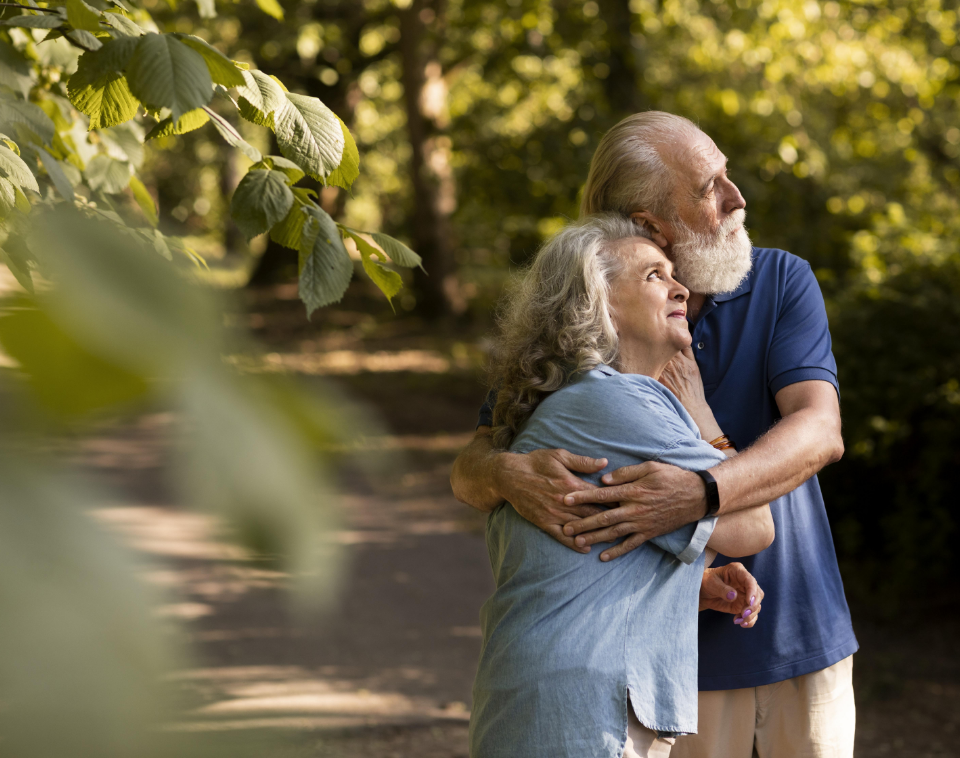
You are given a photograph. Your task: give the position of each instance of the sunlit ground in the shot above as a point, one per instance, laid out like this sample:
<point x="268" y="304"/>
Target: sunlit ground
<point x="387" y="669"/>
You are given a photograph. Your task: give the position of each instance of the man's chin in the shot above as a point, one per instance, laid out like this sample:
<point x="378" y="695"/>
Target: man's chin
<point x="714" y="269"/>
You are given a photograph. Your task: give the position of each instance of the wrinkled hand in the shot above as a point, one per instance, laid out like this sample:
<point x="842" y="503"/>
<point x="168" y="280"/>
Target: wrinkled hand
<point x="654" y="499"/>
<point x="682" y="377"/>
<point x="732" y="589"/>
<point x="535" y="484"/>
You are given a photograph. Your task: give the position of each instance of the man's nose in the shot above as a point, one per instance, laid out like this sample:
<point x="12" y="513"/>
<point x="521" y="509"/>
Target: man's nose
<point x="732" y="200"/>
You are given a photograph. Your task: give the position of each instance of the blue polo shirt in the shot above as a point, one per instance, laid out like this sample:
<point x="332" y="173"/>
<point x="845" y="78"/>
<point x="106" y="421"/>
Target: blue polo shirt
<point x="768" y="334"/>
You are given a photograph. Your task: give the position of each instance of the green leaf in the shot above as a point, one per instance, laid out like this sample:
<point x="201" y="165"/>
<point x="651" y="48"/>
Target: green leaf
<point x="187" y="123"/>
<point x="309" y="134"/>
<point x="207" y="8"/>
<point x="388" y="281"/>
<point x="289" y="231"/>
<point x="106" y="174"/>
<point x="31" y="117"/>
<point x="10" y="143"/>
<point x="232" y="136"/>
<point x="8" y="198"/>
<point x="271" y="8"/>
<point x="43" y="21"/>
<point x="349" y="169"/>
<point x="259" y="98"/>
<point x="66" y="378"/>
<point x="99" y="89"/>
<point x="292" y="170"/>
<point x="124" y="26"/>
<point x="125" y="142"/>
<point x="82" y="16"/>
<point x="325" y="265"/>
<point x="144" y="199"/>
<point x="22" y="201"/>
<point x="56" y="174"/>
<point x="14" y="70"/>
<point x="16" y="254"/>
<point x="165" y="73"/>
<point x="222" y="70"/>
<point x="85" y="39"/>
<point x="262" y="199"/>
<point x="15" y="170"/>
<point x="398" y="252"/>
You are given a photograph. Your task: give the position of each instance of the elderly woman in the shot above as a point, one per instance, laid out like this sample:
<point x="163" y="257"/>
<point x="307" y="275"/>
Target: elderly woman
<point x="582" y="657"/>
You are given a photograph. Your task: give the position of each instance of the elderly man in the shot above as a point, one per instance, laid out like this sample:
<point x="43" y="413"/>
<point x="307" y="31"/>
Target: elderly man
<point x="762" y="346"/>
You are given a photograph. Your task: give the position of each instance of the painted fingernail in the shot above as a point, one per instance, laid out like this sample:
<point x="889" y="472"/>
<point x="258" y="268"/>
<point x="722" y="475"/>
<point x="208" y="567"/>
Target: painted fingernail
<point x="731" y="595"/>
<point x="738" y="620"/>
<point x="752" y="598"/>
<point x="747" y="613"/>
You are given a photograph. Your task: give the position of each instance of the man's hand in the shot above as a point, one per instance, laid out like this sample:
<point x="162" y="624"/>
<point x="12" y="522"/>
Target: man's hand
<point x="731" y="589"/>
<point x="654" y="499"/>
<point x="535" y="484"/>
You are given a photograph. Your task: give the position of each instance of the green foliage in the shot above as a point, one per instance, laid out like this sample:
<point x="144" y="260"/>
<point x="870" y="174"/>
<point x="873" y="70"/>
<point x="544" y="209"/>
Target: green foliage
<point x="127" y="67"/>
<point x="325" y="268"/>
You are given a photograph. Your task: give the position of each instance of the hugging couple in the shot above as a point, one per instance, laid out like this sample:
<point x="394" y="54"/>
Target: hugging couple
<point x="667" y="393"/>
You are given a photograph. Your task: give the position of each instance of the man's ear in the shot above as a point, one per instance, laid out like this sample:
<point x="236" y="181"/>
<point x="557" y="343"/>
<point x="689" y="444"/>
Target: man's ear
<point x="652" y="224"/>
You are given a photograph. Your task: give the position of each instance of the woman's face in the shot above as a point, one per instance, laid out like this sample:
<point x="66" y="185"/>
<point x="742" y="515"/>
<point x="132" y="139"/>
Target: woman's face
<point x="649" y="305"/>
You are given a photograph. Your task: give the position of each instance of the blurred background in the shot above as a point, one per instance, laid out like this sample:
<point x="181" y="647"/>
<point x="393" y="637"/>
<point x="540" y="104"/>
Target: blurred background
<point x="476" y="122"/>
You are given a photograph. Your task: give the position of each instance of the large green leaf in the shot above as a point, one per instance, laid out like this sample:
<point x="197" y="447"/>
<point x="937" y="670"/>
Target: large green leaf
<point x="187" y="123"/>
<point x="8" y="197"/>
<point x="165" y="73"/>
<point x="42" y="21"/>
<point x="14" y="252"/>
<point x="99" y="89"/>
<point x="82" y="16"/>
<point x="349" y="169"/>
<point x="309" y="134"/>
<point x="122" y="25"/>
<point x="222" y="70"/>
<point x="232" y="136"/>
<point x="398" y="252"/>
<point x="66" y="378"/>
<point x="325" y="265"/>
<point x="14" y="70"/>
<point x="56" y="174"/>
<point x="85" y="39"/>
<point x="14" y="112"/>
<point x="262" y="199"/>
<point x="13" y="168"/>
<point x="289" y="231"/>
<point x="106" y="174"/>
<point x="388" y="281"/>
<point x="259" y="98"/>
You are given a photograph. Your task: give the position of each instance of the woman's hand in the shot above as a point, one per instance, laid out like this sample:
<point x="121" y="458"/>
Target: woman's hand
<point x="731" y="589"/>
<point x="682" y="378"/>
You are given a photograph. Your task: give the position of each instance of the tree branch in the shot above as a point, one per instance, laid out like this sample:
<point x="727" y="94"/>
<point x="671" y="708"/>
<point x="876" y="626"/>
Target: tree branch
<point x="28" y="8"/>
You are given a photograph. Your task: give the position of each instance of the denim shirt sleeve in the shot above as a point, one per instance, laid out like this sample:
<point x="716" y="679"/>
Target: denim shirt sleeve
<point x="682" y="447"/>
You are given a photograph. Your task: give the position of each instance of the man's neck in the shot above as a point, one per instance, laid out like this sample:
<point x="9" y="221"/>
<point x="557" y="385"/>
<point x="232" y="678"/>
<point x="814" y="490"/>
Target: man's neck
<point x="694" y="305"/>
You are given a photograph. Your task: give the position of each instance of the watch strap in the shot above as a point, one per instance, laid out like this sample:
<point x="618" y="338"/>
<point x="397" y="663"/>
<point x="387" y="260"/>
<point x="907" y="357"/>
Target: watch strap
<point x="713" y="493"/>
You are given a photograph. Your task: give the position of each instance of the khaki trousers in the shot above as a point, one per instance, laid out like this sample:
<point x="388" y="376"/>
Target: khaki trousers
<point x="643" y="742"/>
<point x="810" y="716"/>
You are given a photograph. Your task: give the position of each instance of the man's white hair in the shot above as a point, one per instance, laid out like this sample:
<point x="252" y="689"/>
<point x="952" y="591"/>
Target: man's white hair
<point x="627" y="173"/>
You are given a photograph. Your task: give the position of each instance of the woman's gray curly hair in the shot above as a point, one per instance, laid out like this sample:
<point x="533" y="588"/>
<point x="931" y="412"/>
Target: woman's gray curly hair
<point x="557" y="320"/>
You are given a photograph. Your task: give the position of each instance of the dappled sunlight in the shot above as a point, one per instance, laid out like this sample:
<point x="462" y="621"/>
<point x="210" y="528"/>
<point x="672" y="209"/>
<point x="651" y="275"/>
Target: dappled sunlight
<point x="348" y="362"/>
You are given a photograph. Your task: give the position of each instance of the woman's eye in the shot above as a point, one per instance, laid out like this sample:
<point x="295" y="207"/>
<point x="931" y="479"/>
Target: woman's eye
<point x="654" y="275"/>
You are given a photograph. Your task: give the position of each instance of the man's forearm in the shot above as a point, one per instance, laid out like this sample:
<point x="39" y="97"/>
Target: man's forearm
<point x="780" y="461"/>
<point x="473" y="475"/>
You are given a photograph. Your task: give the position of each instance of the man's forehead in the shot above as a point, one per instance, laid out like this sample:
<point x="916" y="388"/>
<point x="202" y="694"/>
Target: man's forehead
<point x="698" y="154"/>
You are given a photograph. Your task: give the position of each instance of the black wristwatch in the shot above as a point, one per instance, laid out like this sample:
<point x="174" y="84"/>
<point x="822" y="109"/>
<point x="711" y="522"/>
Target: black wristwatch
<point x="713" y="493"/>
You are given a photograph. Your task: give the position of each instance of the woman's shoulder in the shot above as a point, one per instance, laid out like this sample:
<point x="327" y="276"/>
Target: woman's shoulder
<point x="617" y="399"/>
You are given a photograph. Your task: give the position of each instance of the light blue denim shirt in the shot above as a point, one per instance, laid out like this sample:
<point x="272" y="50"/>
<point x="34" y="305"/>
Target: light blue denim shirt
<point x="570" y="642"/>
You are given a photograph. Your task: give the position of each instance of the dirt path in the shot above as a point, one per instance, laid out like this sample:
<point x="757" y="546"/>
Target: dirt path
<point x="387" y="670"/>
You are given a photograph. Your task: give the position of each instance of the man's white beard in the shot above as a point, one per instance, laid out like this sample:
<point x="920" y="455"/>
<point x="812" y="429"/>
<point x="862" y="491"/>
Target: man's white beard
<point x="711" y="264"/>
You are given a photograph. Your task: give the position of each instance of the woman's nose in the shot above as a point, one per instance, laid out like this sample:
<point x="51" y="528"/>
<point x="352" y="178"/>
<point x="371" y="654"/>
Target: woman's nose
<point x="681" y="294"/>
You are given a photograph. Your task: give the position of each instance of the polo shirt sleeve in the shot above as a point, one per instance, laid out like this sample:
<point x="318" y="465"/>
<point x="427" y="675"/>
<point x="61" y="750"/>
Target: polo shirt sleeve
<point x="801" y="348"/>
<point x="485" y="417"/>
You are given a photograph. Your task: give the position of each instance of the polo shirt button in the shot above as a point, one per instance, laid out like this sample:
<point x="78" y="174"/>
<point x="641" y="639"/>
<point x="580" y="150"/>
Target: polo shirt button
<point x="700" y="346"/>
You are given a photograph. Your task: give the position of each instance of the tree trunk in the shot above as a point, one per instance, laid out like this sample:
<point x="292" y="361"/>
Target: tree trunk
<point x="434" y="190"/>
<point x="623" y="86"/>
